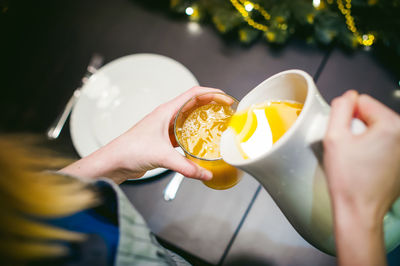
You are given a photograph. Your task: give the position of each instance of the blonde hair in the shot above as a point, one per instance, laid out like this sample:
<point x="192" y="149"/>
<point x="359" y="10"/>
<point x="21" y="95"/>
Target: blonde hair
<point x="28" y="193"/>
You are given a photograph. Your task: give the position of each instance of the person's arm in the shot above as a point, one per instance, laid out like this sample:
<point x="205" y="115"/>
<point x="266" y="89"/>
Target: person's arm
<point x="363" y="175"/>
<point x="358" y="235"/>
<point x="147" y="145"/>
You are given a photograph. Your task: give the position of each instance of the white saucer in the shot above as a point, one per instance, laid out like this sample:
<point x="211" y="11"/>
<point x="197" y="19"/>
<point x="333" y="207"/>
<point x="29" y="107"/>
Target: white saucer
<point x="120" y="94"/>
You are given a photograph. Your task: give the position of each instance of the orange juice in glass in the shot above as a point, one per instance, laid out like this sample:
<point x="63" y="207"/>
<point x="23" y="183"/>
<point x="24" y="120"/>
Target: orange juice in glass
<point x="198" y="127"/>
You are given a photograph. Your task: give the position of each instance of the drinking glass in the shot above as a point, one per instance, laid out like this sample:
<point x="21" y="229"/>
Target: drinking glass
<point x="224" y="175"/>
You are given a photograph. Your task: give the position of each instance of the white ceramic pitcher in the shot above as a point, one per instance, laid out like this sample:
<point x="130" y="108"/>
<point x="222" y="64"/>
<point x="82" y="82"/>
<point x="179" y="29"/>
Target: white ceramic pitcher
<point x="290" y="170"/>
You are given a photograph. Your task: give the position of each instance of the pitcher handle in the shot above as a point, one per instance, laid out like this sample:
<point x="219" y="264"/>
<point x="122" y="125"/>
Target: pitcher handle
<point x="318" y="130"/>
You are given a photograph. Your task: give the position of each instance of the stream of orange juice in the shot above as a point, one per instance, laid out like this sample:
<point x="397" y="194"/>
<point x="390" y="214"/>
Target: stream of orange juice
<point x="279" y="115"/>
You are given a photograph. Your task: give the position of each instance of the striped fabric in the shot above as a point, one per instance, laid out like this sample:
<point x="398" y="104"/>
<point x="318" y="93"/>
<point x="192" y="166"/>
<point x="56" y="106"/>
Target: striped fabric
<point x="137" y="244"/>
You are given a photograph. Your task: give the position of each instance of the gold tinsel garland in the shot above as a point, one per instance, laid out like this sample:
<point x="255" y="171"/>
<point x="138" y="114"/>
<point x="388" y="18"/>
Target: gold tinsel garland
<point x="244" y="7"/>
<point x="271" y="25"/>
<point x="366" y="39"/>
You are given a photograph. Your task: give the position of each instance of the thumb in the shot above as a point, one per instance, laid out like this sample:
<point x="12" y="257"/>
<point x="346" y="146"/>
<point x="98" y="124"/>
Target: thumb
<point x="342" y="113"/>
<point x="178" y="163"/>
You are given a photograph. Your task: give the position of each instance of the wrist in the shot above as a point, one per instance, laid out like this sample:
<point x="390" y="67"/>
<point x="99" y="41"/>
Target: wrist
<point x="358" y="235"/>
<point x="107" y="163"/>
<point x="96" y="165"/>
<point x="366" y="215"/>
<point x="103" y="165"/>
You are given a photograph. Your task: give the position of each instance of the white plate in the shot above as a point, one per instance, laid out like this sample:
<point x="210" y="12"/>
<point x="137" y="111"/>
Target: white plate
<point x="120" y="94"/>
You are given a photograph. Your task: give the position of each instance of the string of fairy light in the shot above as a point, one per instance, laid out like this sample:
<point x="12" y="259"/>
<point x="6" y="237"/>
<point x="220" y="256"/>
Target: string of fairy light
<point x="246" y="8"/>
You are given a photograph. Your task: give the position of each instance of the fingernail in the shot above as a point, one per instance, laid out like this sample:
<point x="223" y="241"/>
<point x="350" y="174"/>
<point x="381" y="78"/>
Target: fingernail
<point x="206" y="175"/>
<point x="352" y="93"/>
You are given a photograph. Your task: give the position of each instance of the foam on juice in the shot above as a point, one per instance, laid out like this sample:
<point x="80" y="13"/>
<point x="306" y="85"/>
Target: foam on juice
<point x="201" y="132"/>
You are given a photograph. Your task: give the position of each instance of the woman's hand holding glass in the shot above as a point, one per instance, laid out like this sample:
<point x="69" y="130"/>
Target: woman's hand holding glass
<point x="147" y="145"/>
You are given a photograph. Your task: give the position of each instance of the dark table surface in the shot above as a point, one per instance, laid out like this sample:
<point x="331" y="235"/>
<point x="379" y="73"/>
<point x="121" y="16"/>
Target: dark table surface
<point x="47" y="48"/>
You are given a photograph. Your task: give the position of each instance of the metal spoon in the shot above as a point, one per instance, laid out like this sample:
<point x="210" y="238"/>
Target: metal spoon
<point x="172" y="187"/>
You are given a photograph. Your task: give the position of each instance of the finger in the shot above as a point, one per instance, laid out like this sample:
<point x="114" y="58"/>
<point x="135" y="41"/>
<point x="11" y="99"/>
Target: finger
<point x="214" y="98"/>
<point x="219" y="98"/>
<point x="342" y="112"/>
<point x="179" y="101"/>
<point x="371" y="111"/>
<point x="178" y="163"/>
<point x="186" y="104"/>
